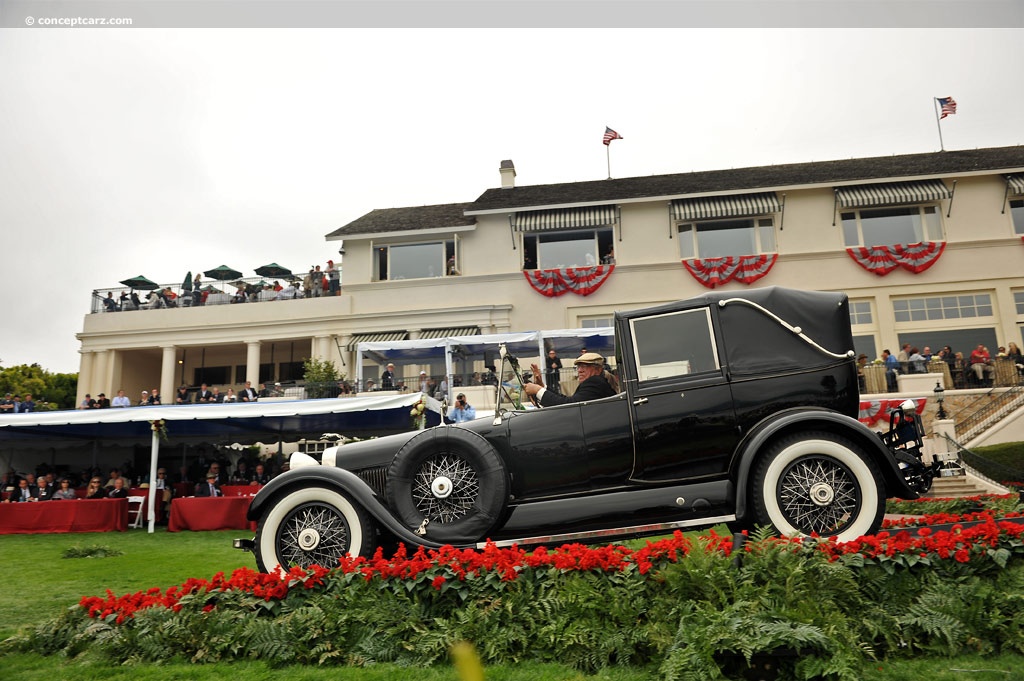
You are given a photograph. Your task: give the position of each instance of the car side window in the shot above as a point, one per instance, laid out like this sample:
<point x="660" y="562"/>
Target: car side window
<point x="674" y="344"/>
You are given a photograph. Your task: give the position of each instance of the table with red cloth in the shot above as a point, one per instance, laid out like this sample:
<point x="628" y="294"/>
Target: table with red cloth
<point x="64" y="515"/>
<point x="209" y="513"/>
<point x="240" y="490"/>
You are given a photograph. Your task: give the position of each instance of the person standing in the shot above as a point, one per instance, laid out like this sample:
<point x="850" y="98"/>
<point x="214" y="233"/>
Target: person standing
<point x="318" y="281"/>
<point x="387" y="379"/>
<point x="27" y="404"/>
<point x="121" y="400"/>
<point x="553" y="376"/>
<point x="333" y="279"/>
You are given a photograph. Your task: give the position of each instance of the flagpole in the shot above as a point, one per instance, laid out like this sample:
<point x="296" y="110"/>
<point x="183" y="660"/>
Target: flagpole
<point x="935" y="101"/>
<point x="608" y="154"/>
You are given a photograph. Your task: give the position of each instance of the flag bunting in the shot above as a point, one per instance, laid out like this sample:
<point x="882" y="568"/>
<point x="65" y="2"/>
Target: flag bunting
<point x="579" y="280"/>
<point x="712" y="272"/>
<point x="873" y="411"/>
<point x="882" y="260"/>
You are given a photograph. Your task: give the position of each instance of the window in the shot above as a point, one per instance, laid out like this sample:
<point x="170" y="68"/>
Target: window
<point x="211" y="375"/>
<point x="964" y="306"/>
<point x="1017" y="213"/>
<point x="674" y="344"/>
<point x="1018" y="300"/>
<point x="568" y="248"/>
<point x="595" y="322"/>
<point x="719" y="238"/>
<point x="888" y="226"/>
<point x="860" y="312"/>
<point x="415" y="261"/>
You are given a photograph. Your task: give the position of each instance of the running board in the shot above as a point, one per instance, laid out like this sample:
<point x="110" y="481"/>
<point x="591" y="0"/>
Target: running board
<point x="590" y="535"/>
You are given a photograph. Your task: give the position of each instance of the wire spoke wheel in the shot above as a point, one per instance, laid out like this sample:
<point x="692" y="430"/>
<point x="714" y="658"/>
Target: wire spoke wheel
<point x="818" y="483"/>
<point x="818" y="495"/>
<point x="445" y="488"/>
<point x="313" y="534"/>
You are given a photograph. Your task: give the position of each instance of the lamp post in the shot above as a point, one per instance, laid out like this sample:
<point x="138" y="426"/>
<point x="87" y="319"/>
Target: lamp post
<point x="940" y="396"/>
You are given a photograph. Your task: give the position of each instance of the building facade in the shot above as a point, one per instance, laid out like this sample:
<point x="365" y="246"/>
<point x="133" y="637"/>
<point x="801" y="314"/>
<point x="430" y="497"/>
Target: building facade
<point x="929" y="248"/>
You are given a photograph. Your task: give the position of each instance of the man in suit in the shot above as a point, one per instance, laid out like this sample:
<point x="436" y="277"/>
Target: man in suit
<point x="387" y="379"/>
<point x="204" y="396"/>
<point x="23" y="492"/>
<point x="248" y="393"/>
<point x="209" y="488"/>
<point x="593" y="383"/>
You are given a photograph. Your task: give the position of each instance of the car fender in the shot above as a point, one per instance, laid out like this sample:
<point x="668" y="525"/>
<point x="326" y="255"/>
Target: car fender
<point x="343" y="481"/>
<point x="798" y="419"/>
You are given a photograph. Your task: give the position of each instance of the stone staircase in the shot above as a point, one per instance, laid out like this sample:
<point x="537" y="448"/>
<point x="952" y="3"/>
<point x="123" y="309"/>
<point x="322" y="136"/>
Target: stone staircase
<point x="960" y="486"/>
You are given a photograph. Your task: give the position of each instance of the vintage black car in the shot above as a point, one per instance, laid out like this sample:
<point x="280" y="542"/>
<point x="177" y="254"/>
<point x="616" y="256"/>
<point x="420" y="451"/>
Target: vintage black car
<point x="736" y="407"/>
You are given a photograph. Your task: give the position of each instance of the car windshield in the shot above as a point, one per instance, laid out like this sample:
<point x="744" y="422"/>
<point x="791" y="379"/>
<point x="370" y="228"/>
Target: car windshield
<point x="510" y="385"/>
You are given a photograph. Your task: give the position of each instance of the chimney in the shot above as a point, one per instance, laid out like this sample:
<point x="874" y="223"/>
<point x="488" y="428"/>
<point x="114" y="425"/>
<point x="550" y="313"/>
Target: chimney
<point x="508" y="175"/>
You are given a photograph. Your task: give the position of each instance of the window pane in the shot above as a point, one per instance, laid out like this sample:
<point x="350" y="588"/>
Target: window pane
<point x="932" y="225"/>
<point x="891" y="226"/>
<point x="567" y="249"/>
<point x="767" y="235"/>
<point x="725" y="237"/>
<point x="850" y="237"/>
<point x="1018" y="299"/>
<point x="417" y="261"/>
<point x="1017" y="213"/>
<point x="686" y="242"/>
<point x="674" y="344"/>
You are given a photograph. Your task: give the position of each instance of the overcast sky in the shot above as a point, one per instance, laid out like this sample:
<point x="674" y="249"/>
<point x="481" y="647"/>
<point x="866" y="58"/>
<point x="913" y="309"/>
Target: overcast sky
<point x="157" y="152"/>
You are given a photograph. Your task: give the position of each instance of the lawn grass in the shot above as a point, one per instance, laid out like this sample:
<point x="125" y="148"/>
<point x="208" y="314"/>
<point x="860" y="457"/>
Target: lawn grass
<point x="38" y="582"/>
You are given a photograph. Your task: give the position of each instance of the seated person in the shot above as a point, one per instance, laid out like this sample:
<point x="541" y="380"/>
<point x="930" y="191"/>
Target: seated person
<point x="118" y="491"/>
<point x="64" y="491"/>
<point x="109" y="303"/>
<point x="594" y="383"/>
<point x="209" y="488"/>
<point x="95" y="489"/>
<point x="23" y="492"/>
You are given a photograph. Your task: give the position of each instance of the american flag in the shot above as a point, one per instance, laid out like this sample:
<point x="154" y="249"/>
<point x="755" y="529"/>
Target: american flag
<point x="610" y="135"/>
<point x="948" y="105"/>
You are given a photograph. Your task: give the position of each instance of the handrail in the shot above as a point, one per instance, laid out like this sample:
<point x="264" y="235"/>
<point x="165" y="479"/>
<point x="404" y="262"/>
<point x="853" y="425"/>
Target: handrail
<point x="971" y="460"/>
<point x="1011" y="398"/>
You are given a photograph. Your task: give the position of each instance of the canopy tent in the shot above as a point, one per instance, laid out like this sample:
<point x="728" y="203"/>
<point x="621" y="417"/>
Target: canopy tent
<point x="242" y="422"/>
<point x="459" y="348"/>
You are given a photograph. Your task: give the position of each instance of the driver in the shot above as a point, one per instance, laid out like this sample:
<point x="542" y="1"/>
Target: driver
<point x="593" y="384"/>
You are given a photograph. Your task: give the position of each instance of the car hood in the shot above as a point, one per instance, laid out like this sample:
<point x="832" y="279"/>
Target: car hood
<point x="356" y="456"/>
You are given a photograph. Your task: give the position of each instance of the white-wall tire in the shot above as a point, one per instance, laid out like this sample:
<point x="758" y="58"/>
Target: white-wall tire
<point x="818" y="483"/>
<point x="312" y="526"/>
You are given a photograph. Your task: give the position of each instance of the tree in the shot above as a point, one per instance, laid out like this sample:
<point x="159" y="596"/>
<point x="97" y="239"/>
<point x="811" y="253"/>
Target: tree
<point x="321" y="377"/>
<point x="50" y="391"/>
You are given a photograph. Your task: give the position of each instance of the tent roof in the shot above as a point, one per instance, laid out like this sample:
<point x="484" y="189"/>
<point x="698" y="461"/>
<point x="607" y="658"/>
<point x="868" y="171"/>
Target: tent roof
<point x="245" y="423"/>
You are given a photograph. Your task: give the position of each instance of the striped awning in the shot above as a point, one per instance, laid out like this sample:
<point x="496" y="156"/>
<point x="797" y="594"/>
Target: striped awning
<point x="738" y="205"/>
<point x="1015" y="183"/>
<point x="564" y="218"/>
<point x="892" y="193"/>
<point x="380" y="337"/>
<point x="456" y="331"/>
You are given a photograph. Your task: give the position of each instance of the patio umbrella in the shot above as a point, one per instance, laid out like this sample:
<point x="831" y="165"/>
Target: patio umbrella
<point x="273" y="270"/>
<point x="140" y="282"/>
<point x="223" y="273"/>
<point x="187" y="284"/>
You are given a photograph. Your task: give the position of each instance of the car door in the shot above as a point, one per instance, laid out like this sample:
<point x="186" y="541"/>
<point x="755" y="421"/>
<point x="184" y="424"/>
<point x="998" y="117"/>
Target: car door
<point x="682" y="409"/>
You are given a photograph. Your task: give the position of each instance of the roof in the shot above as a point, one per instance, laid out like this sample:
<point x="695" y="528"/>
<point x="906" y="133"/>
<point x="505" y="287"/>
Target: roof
<point x="407" y="219"/>
<point x="746" y="179"/>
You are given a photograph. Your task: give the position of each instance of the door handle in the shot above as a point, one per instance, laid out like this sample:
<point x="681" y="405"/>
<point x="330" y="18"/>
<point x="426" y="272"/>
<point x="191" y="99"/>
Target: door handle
<point x="640" y="400"/>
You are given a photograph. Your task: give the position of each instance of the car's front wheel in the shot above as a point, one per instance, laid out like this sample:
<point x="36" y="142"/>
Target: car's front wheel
<point x="818" y="483"/>
<point x="312" y="526"/>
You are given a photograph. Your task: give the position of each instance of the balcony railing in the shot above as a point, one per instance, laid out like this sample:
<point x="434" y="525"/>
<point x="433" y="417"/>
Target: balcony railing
<point x="257" y="290"/>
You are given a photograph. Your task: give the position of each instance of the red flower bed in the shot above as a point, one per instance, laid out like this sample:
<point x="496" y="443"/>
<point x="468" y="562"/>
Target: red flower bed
<point x="447" y="566"/>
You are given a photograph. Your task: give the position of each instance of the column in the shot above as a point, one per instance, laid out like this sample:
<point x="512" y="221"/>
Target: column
<point x="319" y="348"/>
<point x="100" y="373"/>
<point x="252" y="363"/>
<point x="167" y="367"/>
<point x="85" y="375"/>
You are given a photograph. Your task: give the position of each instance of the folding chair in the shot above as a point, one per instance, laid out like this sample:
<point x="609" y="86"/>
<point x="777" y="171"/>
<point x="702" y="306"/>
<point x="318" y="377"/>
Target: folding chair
<point x="137" y="506"/>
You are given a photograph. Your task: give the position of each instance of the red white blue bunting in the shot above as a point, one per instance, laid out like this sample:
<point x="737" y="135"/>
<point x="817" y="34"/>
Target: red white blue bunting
<point x="579" y="280"/>
<point x="882" y="260"/>
<point x="873" y="411"/>
<point x="712" y="272"/>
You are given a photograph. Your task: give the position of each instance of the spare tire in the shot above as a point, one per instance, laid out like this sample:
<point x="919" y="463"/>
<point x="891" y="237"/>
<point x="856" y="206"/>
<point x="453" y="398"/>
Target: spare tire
<point x="454" y="479"/>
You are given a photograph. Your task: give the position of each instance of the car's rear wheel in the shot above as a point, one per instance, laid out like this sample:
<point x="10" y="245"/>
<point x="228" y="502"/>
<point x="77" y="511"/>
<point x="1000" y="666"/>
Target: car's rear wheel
<point x="818" y="483"/>
<point x="451" y="478"/>
<point x="312" y="526"/>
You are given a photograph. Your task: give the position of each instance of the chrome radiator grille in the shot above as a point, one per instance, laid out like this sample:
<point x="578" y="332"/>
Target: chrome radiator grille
<point x="376" y="478"/>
